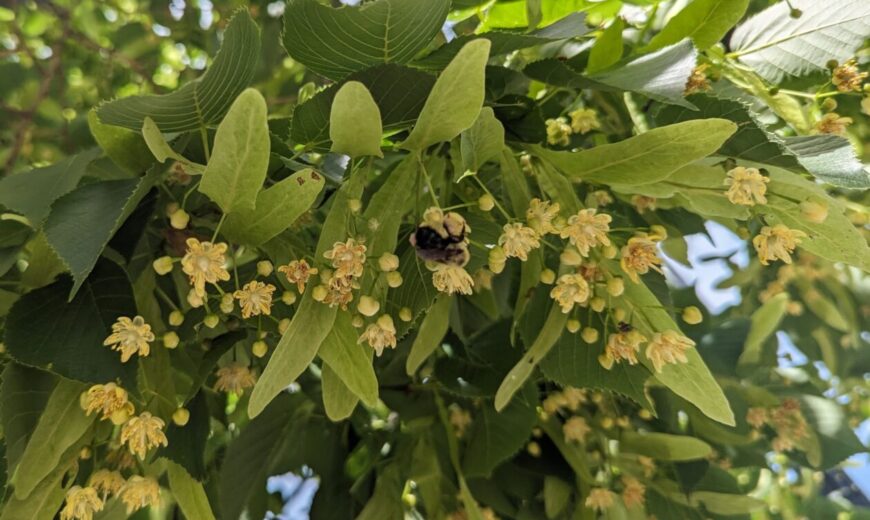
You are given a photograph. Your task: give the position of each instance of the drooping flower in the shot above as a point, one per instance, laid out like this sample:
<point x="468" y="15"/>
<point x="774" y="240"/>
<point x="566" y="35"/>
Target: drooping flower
<point x="339" y="291"/>
<point x="139" y="492"/>
<point x="747" y="186"/>
<point x="584" y="120"/>
<point x="540" y="215"/>
<point x="575" y="429"/>
<point x="643" y="203"/>
<point x="599" y="499"/>
<point x="142" y="433"/>
<point x="668" y="347"/>
<point x="518" y="240"/>
<point x="298" y="272"/>
<point x="847" y="77"/>
<point x="234" y="378"/>
<point x="698" y="81"/>
<point x="621" y="346"/>
<point x="110" y="400"/>
<point x="106" y="482"/>
<point x="130" y="336"/>
<point x="832" y="123"/>
<point x="587" y="229"/>
<point x="569" y="290"/>
<point x="380" y="334"/>
<point x="348" y="258"/>
<point x="255" y="298"/>
<point x="450" y="279"/>
<point x="639" y="256"/>
<point x="777" y="243"/>
<point x="81" y="504"/>
<point x="558" y="131"/>
<point x="633" y="494"/>
<point x="204" y="262"/>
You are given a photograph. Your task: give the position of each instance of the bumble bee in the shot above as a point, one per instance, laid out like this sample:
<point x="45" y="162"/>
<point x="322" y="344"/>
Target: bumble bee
<point x="442" y="238"/>
<point x="624" y="327"/>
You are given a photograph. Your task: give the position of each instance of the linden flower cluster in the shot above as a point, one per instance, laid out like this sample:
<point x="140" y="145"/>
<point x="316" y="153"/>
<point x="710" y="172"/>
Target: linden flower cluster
<point x="787" y="420"/>
<point x="665" y="348"/>
<point x="583" y="121"/>
<point x="348" y="261"/>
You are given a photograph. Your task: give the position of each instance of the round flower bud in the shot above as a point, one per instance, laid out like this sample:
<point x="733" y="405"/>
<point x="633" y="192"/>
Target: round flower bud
<point x="619" y="314"/>
<point x="814" y="212"/>
<point x="794" y="308"/>
<point x="194" y="300"/>
<point x="609" y="251"/>
<point x="326" y="275"/>
<point x="171" y="208"/>
<point x="162" y="265"/>
<point x="658" y="233"/>
<point x="607" y="423"/>
<point x="259" y="348"/>
<point x="120" y="416"/>
<point x="288" y="297"/>
<point x="644" y="414"/>
<point x="534" y="449"/>
<point x="548" y="276"/>
<point x="319" y="293"/>
<point x="227" y="303"/>
<point x="368" y="306"/>
<point x="388" y="262"/>
<point x="394" y="279"/>
<point x="354" y="205"/>
<point x="829" y="105"/>
<point x="496" y="260"/>
<point x="597" y="304"/>
<point x="179" y="219"/>
<point x="573" y="326"/>
<point x="176" y="318"/>
<point x="170" y="340"/>
<point x="405" y="314"/>
<point x="692" y="315"/>
<point x="615" y="286"/>
<point x="181" y="416"/>
<point x="85" y="453"/>
<point x="743" y="232"/>
<point x="358" y="322"/>
<point x="571" y="257"/>
<point x="486" y="202"/>
<point x="265" y="268"/>
<point x="283" y="325"/>
<point x="211" y="320"/>
<point x="589" y="335"/>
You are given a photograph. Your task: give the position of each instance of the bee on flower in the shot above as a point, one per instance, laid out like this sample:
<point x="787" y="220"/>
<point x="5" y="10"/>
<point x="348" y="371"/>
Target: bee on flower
<point x="570" y="289"/>
<point x="380" y="335"/>
<point x="298" y="272"/>
<point x="621" y="346"/>
<point x="584" y="120"/>
<point x="81" y="504"/>
<point x="587" y="229"/>
<point x="255" y="298"/>
<point x="558" y="131"/>
<point x="747" y="186"/>
<point x="348" y="258"/>
<point x="234" y="378"/>
<point x="777" y="243"/>
<point x="139" y="492"/>
<point x="668" y="347"/>
<point x="110" y="400"/>
<point x="142" y="433"/>
<point x="130" y="336"/>
<point x="518" y="240"/>
<point x="639" y="255"/>
<point x="203" y="263"/>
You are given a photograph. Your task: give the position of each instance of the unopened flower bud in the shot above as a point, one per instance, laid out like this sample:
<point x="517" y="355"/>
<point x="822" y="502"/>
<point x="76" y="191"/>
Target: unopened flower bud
<point x="486" y="202"/>
<point x="170" y="340"/>
<point x="496" y="260"/>
<point x="162" y="265"/>
<point x="548" y="276"/>
<point x="368" y="306"/>
<point x="194" y="299"/>
<point x="597" y="304"/>
<point x="394" y="279"/>
<point x="388" y="262"/>
<point x="283" y="325"/>
<point x="265" y="268"/>
<point x="211" y="320"/>
<point x="573" y="326"/>
<point x="85" y="453"/>
<point x="571" y="257"/>
<point x="658" y="233"/>
<point x="120" y="416"/>
<point x="814" y="212"/>
<point x="259" y="348"/>
<point x="227" y="303"/>
<point x="829" y="105"/>
<point x="357" y="322"/>
<point x="179" y="219"/>
<point x="171" y="208"/>
<point x="181" y="416"/>
<point x="319" y="293"/>
<point x="607" y="423"/>
<point x="176" y="318"/>
<point x="609" y="251"/>
<point x="589" y="335"/>
<point x="354" y="205"/>
<point x="534" y="449"/>
<point x="405" y="314"/>
<point x="615" y="286"/>
<point x="692" y="315"/>
<point x="619" y="314"/>
<point x="288" y="297"/>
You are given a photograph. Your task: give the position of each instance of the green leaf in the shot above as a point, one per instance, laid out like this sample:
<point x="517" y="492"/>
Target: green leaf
<point x="726" y="503"/>
<point x="557" y="495"/>
<point x="704" y="21"/>
<point x="337" y="42"/>
<point x="61" y="424"/>
<point x="831" y="159"/>
<point x="389" y="205"/>
<point x="189" y="493"/>
<point x="483" y="141"/>
<point x="764" y="322"/>
<point x="43" y="503"/>
<point x="608" y="48"/>
<point x="350" y="361"/>
<point x="161" y="150"/>
<point x="338" y="400"/>
<point x="495" y="436"/>
<point x="432" y="331"/>
<point x="23" y="394"/>
<point x="82" y="222"/>
<point x="664" y="446"/>
<point x="126" y="148"/>
<point x="43" y="330"/>
<point x="201" y="102"/>
<point x="519" y="374"/>
<point x="277" y="208"/>
<point x="646" y="158"/>
<point x="240" y="160"/>
<point x="31" y="193"/>
<point x="831" y="425"/>
<point x="455" y="100"/>
<point x="777" y="45"/>
<point x="355" y="122"/>
<point x="514" y="181"/>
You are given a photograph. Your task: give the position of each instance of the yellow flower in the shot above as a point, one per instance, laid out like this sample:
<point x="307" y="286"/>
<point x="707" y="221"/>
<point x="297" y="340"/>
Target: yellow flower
<point x="600" y="198"/>
<point x="109" y="399"/>
<point x="558" y="131"/>
<point x="599" y="499"/>
<point x="648" y="465"/>
<point x="204" y="262"/>
<point x="298" y="272"/>
<point x="633" y="493"/>
<point x="234" y="378"/>
<point x="541" y="214"/>
<point x="348" y="258"/>
<point x="622" y="346"/>
<point x="574" y="397"/>
<point x="642" y="203"/>
<point x="450" y="279"/>
<point x="460" y="420"/>
<point x="638" y="256"/>
<point x="518" y="240"/>
<point x="697" y="81"/>
<point x="81" y="504"/>
<point x="756" y="417"/>
<point x="130" y="337"/>
<point x="847" y="78"/>
<point x="777" y="243"/>
<point x="142" y="433"/>
<point x="255" y="298"/>
<point x="339" y="291"/>
<point x="747" y="186"/>
<point x="570" y="289"/>
<point x="106" y="482"/>
<point x="584" y="120"/>
<point x="587" y="229"/>
<point x="380" y="334"/>
<point x="832" y="123"/>
<point x="668" y="347"/>
<point x="139" y="492"/>
<point x="575" y="429"/>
